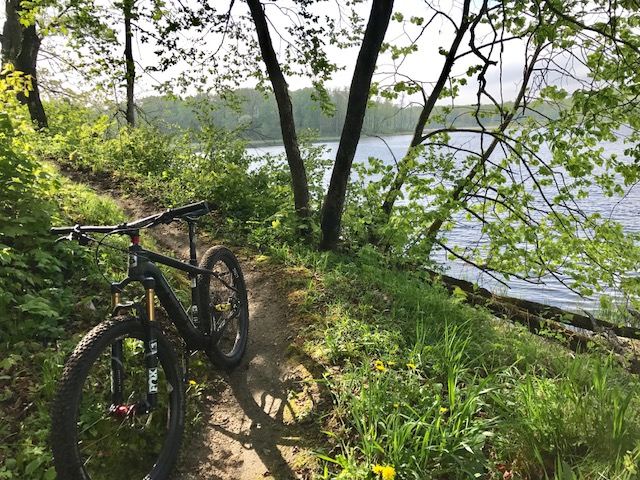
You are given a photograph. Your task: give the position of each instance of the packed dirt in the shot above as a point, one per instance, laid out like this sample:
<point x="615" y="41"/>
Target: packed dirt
<point x="259" y="421"/>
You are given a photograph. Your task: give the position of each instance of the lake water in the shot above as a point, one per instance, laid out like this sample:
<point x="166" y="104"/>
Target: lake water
<point x="624" y="210"/>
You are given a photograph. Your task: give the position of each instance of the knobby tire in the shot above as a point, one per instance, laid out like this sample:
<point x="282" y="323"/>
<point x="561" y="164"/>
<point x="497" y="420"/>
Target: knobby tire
<point x="226" y="353"/>
<point x="89" y="443"/>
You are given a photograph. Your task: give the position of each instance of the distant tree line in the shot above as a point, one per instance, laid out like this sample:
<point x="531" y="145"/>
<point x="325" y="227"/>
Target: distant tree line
<point x="256" y="113"/>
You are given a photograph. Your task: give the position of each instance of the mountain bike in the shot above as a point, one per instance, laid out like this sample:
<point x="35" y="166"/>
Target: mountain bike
<point x="119" y="407"/>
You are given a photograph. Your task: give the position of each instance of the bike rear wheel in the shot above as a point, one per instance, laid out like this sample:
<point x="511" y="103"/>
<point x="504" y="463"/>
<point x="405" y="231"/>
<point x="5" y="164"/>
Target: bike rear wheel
<point x="227" y="308"/>
<point x="92" y="438"/>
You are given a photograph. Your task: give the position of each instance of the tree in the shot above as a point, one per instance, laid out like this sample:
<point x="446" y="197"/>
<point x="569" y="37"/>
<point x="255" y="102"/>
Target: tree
<point x="525" y="205"/>
<point x="334" y="200"/>
<point x="358" y="96"/>
<point x="299" y="181"/>
<point x="303" y="54"/>
<point x="71" y="36"/>
<point x="83" y="43"/>
<point x="130" y="67"/>
<point x="575" y="88"/>
<point x="20" y="47"/>
<point x="528" y="209"/>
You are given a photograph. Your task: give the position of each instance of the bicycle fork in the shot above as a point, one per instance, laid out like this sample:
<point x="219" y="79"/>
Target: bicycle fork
<point x="146" y="313"/>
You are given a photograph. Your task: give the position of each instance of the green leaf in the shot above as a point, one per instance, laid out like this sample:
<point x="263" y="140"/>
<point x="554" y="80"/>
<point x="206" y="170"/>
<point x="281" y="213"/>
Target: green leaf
<point x="33" y="466"/>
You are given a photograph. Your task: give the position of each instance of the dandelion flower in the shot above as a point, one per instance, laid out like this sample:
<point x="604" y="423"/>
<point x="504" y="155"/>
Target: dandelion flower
<point x="443" y="410"/>
<point x="391" y="364"/>
<point x="412" y="366"/>
<point x="395" y="405"/>
<point x="387" y="472"/>
<point x="192" y="382"/>
<point x="380" y="366"/>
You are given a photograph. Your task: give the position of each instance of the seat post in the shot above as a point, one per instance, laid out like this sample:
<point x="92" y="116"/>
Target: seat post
<point x="193" y="260"/>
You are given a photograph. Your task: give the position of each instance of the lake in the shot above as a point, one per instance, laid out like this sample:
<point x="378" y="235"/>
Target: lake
<point x="624" y="210"/>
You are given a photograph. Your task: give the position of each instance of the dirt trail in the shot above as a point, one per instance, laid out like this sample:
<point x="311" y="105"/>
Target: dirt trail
<point x="257" y="420"/>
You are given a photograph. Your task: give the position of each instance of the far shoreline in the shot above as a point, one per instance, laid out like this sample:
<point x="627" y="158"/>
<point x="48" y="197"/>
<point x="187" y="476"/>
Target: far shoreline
<point x="280" y="143"/>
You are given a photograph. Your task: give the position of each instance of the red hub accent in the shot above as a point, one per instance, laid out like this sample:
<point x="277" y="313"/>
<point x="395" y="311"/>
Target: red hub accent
<point x="121" y="411"/>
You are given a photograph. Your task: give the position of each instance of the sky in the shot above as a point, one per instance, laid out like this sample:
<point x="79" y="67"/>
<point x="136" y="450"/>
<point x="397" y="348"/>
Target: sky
<point x="423" y="66"/>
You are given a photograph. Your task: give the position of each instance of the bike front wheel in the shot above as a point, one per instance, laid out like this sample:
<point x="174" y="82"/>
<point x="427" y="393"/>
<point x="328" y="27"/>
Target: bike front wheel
<point x="96" y="434"/>
<point x="225" y="297"/>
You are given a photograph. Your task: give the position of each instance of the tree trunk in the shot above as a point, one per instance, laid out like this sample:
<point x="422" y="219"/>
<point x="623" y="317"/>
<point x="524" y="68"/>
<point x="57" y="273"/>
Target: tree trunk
<point x="299" y="181"/>
<point x="459" y="190"/>
<point x="11" y="32"/>
<point x="425" y="114"/>
<point x="356" y="108"/>
<point x="20" y="46"/>
<point x="130" y="74"/>
<point x="576" y="331"/>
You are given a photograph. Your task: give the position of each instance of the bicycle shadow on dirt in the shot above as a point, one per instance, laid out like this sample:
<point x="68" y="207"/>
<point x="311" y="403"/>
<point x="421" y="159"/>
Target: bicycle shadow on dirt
<point x="260" y="419"/>
<point x="281" y="419"/>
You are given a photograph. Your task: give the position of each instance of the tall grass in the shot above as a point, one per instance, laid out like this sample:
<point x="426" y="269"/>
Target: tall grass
<point x="431" y="388"/>
<point x="423" y="385"/>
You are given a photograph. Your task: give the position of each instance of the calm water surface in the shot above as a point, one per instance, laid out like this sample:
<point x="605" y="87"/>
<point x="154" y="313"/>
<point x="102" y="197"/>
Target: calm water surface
<point x="624" y="210"/>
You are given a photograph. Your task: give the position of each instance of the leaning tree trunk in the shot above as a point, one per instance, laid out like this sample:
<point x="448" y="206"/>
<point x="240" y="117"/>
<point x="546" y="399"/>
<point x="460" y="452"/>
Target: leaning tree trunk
<point x="425" y="114"/>
<point x="356" y="108"/>
<point x="299" y="182"/>
<point x="130" y="74"/>
<point x="461" y="186"/>
<point x="20" y="46"/>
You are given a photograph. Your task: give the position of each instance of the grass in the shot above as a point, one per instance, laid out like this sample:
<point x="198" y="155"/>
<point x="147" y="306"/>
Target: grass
<point x="432" y="388"/>
<point x="423" y="386"/>
<point x="29" y="367"/>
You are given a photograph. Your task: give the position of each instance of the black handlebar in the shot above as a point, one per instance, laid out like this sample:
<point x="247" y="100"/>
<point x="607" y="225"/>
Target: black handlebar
<point x="191" y="211"/>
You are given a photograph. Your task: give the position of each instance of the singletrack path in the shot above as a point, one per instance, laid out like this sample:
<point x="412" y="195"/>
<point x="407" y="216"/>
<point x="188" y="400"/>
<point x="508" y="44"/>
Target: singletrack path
<point x="256" y="422"/>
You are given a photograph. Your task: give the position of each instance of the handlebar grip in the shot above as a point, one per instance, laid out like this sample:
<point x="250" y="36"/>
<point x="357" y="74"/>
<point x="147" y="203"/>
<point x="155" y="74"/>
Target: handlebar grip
<point x="83" y="229"/>
<point x="60" y="230"/>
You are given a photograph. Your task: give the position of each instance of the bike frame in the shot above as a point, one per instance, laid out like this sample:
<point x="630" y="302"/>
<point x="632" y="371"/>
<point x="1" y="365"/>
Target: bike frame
<point x="143" y="269"/>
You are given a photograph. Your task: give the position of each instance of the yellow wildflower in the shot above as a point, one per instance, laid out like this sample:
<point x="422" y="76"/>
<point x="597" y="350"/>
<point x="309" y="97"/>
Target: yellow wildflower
<point x="412" y="366"/>
<point x="380" y="366"/>
<point x="395" y="405"/>
<point x="192" y="382"/>
<point x="391" y="364"/>
<point x="443" y="410"/>
<point x="387" y="472"/>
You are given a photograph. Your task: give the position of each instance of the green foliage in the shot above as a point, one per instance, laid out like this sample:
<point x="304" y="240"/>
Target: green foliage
<point x="31" y="301"/>
<point x="429" y="386"/>
<point x="251" y="195"/>
<point x="222" y="173"/>
<point x="573" y="418"/>
<point x="281" y="224"/>
<point x="258" y="117"/>
<point x="75" y="137"/>
<point x="43" y="290"/>
<point x="27" y="378"/>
